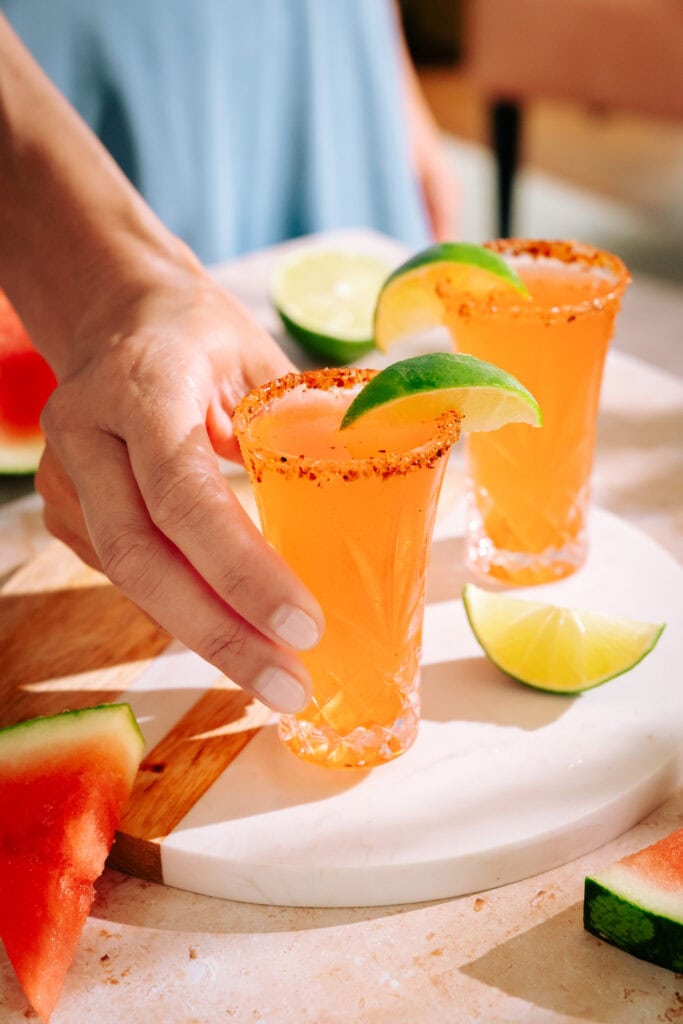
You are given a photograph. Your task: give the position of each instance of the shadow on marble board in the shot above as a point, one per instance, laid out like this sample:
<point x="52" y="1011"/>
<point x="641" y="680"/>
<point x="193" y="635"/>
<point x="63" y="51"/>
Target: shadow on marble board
<point x="558" y="966"/>
<point x="659" y="486"/>
<point x="266" y="778"/>
<point x="446" y="573"/>
<point x="474" y="690"/>
<point x="640" y="429"/>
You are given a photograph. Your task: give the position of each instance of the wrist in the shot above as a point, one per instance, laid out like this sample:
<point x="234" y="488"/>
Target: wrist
<point x="134" y="275"/>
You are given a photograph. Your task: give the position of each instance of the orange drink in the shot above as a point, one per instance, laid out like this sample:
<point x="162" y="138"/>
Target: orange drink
<point x="352" y="513"/>
<point x="528" y="490"/>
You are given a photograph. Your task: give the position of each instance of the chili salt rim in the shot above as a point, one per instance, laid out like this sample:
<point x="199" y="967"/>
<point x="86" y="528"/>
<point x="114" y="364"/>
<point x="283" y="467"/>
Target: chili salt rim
<point x="566" y="252"/>
<point x="384" y="464"/>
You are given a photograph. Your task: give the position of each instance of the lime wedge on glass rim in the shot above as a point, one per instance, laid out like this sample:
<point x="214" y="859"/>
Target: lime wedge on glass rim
<point x="326" y="299"/>
<point x="416" y="295"/>
<point x="561" y="650"/>
<point x="424" y="387"/>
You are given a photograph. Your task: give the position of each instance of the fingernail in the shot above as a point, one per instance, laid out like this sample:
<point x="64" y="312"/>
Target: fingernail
<point x="295" y="627"/>
<point x="280" y="690"/>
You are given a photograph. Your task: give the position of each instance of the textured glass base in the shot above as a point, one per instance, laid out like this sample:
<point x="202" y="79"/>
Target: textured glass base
<point x="522" y="568"/>
<point x="363" y="747"/>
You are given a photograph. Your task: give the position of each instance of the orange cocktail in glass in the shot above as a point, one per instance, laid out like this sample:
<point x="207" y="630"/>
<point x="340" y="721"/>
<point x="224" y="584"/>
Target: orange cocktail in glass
<point x="528" y="489"/>
<point x="352" y="513"/>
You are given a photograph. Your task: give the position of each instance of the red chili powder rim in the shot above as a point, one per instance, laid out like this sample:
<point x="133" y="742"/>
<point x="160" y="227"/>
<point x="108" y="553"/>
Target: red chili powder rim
<point x="616" y="279"/>
<point x="384" y="464"/>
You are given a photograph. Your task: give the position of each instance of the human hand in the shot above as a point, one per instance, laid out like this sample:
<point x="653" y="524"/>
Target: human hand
<point x="131" y="482"/>
<point x="151" y="357"/>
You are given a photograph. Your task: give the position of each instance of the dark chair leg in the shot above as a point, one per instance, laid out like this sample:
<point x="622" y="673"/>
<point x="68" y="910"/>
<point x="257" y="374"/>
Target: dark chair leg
<point x="506" y="118"/>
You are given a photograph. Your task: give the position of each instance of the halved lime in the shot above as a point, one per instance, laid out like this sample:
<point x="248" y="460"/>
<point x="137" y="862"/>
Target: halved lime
<point x="416" y="295"/>
<point x="326" y="299"/>
<point x="562" y="650"/>
<point x="423" y="387"/>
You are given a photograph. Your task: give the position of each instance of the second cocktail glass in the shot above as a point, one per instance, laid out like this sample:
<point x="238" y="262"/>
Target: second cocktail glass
<point x="352" y="514"/>
<point x="528" y="490"/>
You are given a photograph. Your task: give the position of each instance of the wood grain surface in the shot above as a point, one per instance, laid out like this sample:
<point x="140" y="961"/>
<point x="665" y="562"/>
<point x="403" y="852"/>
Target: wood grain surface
<point x="69" y="639"/>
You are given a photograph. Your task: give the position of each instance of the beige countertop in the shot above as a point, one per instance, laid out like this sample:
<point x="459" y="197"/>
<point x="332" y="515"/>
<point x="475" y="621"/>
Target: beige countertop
<point x="513" y="954"/>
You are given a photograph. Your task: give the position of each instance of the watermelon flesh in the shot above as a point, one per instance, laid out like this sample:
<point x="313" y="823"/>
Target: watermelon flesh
<point x="64" y="783"/>
<point x="26" y="382"/>
<point x="637" y="903"/>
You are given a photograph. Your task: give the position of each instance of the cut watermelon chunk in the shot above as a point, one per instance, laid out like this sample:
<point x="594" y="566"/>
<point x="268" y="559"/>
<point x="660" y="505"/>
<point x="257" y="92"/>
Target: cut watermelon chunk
<point x="637" y="903"/>
<point x="26" y="382"/>
<point x="64" y="783"/>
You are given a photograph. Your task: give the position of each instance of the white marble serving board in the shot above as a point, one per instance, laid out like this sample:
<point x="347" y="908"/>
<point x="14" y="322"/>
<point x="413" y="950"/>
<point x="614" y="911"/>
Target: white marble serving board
<point x="502" y="783"/>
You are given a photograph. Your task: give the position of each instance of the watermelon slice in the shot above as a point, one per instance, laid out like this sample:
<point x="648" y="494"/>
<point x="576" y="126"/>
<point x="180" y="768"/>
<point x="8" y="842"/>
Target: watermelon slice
<point x="64" y="782"/>
<point x="637" y="903"/>
<point x="26" y="382"/>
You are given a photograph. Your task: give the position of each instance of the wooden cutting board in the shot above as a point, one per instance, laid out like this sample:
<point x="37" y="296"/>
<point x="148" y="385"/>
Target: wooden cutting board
<point x="70" y="640"/>
<point x="503" y="782"/>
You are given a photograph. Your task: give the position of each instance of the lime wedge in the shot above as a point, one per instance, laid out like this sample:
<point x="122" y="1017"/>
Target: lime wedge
<point x="562" y="650"/>
<point x="423" y="387"/>
<point x="326" y="300"/>
<point x="416" y="296"/>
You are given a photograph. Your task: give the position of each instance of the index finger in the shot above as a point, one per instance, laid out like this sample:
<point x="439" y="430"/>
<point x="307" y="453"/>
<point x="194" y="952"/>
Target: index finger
<point x="148" y="568"/>
<point x="190" y="501"/>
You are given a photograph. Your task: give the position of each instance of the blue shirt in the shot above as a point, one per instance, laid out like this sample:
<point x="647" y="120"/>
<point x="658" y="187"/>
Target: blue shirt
<point x="242" y="122"/>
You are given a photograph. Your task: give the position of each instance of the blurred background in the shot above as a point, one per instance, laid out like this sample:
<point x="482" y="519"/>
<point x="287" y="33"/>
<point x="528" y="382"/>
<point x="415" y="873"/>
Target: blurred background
<point x="562" y="119"/>
<point x="566" y="120"/>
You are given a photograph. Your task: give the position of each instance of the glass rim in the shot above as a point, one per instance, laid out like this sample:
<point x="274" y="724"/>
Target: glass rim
<point x="563" y="251"/>
<point x="384" y="464"/>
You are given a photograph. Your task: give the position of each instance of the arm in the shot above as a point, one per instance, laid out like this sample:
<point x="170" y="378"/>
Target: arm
<point x="436" y="178"/>
<point x="151" y="357"/>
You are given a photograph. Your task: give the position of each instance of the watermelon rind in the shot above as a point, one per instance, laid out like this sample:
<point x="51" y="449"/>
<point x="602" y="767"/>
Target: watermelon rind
<point x="629" y="924"/>
<point x="64" y="783"/>
<point x="47" y="731"/>
<point x="20" y="457"/>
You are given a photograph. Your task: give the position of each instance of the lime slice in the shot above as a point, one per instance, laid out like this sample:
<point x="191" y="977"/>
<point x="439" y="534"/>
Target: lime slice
<point x="423" y="387"/>
<point x="326" y="299"/>
<point x="417" y="294"/>
<point x="563" y="650"/>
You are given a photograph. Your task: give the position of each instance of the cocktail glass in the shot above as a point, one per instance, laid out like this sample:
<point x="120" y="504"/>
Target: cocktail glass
<point x="352" y="513"/>
<point x="528" y="490"/>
